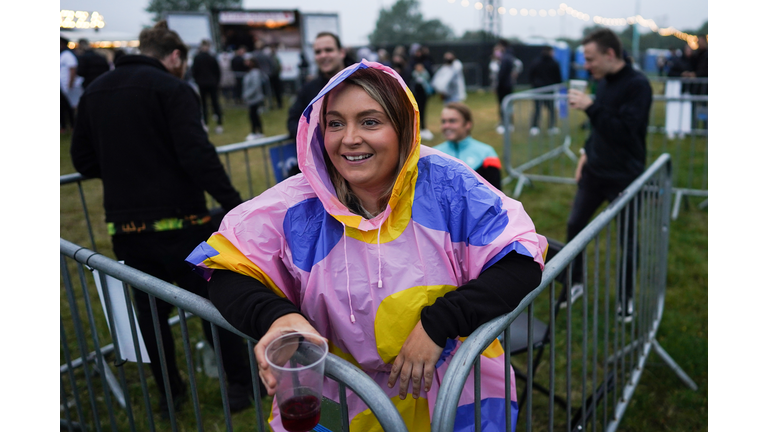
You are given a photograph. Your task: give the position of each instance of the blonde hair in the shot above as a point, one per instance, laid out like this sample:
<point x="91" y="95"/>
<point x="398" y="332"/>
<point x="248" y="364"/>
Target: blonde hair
<point x="388" y="93"/>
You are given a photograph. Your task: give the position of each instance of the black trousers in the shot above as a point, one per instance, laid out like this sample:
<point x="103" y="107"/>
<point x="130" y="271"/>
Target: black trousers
<point x="66" y="113"/>
<point x="162" y="254"/>
<point x="212" y="93"/>
<point x="253" y="114"/>
<point x="550" y="106"/>
<point x="501" y="93"/>
<point x="238" y="89"/>
<point x="277" y="89"/>
<point x="591" y="194"/>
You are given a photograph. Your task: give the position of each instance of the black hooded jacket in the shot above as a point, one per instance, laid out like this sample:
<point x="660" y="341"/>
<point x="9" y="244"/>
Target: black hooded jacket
<point x="140" y="130"/>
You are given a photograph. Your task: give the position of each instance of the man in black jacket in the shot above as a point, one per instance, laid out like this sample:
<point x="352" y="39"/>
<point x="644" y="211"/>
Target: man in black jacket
<point x="330" y="59"/>
<point x="544" y="71"/>
<point x="614" y="153"/>
<point x="207" y="75"/>
<point x="90" y="65"/>
<point x="140" y="131"/>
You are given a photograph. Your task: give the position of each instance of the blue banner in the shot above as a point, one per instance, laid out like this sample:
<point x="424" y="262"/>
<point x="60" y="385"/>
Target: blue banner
<point x="283" y="160"/>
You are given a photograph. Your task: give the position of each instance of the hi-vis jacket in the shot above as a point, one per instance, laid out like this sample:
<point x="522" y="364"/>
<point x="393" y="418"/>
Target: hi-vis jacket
<point x="362" y="283"/>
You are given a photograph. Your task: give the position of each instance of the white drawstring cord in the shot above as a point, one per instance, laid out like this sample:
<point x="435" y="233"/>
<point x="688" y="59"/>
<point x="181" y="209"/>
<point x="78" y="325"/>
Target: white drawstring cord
<point x="378" y="244"/>
<point x="346" y="266"/>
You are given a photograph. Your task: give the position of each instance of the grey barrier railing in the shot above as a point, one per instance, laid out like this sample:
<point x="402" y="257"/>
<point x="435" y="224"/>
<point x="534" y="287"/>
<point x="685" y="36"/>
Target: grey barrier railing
<point x="596" y="357"/>
<point x="677" y="125"/>
<point x="91" y="401"/>
<point x="237" y="161"/>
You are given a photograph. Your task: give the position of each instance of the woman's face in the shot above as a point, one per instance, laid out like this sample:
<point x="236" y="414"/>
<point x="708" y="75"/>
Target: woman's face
<point x="360" y="140"/>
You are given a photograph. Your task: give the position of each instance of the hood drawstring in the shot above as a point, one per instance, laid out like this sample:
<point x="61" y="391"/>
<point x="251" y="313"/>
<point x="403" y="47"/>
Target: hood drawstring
<point x="346" y="266"/>
<point x="378" y="245"/>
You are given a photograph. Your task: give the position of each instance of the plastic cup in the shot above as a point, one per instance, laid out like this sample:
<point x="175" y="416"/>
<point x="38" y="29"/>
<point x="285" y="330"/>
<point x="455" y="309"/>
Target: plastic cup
<point x="580" y="85"/>
<point x="297" y="361"/>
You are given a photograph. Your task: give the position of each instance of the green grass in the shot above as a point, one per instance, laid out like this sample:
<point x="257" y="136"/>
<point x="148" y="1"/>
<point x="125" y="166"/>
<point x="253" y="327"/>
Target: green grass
<point x="661" y="401"/>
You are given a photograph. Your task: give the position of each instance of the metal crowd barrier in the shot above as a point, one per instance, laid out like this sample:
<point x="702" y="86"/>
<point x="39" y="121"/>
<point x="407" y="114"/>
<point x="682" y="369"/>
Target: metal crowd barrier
<point x="89" y="389"/>
<point x="595" y="357"/>
<point x="237" y="160"/>
<point x="677" y="125"/>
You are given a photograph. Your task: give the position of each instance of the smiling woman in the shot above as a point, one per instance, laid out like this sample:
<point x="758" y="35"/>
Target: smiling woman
<point x="390" y="250"/>
<point x="367" y="126"/>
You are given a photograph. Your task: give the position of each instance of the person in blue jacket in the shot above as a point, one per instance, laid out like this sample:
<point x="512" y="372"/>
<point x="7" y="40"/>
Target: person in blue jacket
<point x="456" y="124"/>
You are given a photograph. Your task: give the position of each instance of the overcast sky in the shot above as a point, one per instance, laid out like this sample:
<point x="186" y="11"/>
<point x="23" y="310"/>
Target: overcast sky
<point x="358" y="17"/>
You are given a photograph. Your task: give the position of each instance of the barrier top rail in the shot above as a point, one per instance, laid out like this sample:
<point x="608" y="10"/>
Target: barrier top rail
<point x="335" y="367"/>
<point x="457" y="373"/>
<point x="229" y="148"/>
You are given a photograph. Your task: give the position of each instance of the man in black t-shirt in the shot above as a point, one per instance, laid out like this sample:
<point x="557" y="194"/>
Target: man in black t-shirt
<point x="207" y="75"/>
<point x="90" y="65"/>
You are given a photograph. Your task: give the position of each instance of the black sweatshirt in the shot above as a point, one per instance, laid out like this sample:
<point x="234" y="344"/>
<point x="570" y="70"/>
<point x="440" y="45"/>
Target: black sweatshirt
<point x="140" y="130"/>
<point x="251" y="307"/>
<point x="619" y="118"/>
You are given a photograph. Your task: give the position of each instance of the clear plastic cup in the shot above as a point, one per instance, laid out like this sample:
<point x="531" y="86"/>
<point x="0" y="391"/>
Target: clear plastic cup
<point x="580" y="85"/>
<point x="297" y="361"/>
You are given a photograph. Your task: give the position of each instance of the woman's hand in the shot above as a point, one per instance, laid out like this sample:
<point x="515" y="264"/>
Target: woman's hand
<point x="416" y="360"/>
<point x="285" y="324"/>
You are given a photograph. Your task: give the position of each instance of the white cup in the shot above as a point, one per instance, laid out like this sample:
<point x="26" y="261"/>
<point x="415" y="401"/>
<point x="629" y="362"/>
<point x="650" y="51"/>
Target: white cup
<point x="580" y="85"/>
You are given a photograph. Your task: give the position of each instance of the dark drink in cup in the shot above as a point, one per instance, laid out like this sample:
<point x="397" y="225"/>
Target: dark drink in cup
<point x="300" y="413"/>
<point x="297" y="361"/>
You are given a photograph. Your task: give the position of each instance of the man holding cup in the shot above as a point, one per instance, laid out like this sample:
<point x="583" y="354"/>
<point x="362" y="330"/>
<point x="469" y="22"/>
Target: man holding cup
<point x="614" y="153"/>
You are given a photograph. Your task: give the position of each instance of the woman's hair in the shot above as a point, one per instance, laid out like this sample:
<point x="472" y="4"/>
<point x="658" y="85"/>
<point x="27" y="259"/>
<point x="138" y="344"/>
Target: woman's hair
<point x="159" y="41"/>
<point x="387" y="92"/>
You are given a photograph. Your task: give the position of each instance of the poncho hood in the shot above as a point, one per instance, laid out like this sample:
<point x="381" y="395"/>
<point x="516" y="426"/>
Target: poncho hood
<point x="310" y="148"/>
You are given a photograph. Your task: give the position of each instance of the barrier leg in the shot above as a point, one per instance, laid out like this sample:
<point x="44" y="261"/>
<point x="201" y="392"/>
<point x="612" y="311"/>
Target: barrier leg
<point x="676" y="207"/>
<point x="114" y="386"/>
<point x="521" y="181"/>
<point x="674" y="366"/>
<point x="704" y="204"/>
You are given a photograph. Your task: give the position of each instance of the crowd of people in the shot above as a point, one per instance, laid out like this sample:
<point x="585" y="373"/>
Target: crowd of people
<point x="372" y="227"/>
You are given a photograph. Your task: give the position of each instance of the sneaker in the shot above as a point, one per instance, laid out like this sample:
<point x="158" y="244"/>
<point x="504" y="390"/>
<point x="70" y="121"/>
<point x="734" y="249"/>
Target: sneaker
<point x="426" y="134"/>
<point x="250" y="137"/>
<point x="577" y="290"/>
<point x="219" y="130"/>
<point x="534" y="131"/>
<point x="628" y="315"/>
<point x="500" y="129"/>
<point x="554" y="130"/>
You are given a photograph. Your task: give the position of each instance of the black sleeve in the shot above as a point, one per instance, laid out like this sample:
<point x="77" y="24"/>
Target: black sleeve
<point x="246" y="303"/>
<point x="195" y="152"/>
<point x="492" y="174"/>
<point x="498" y="290"/>
<point x="84" y="156"/>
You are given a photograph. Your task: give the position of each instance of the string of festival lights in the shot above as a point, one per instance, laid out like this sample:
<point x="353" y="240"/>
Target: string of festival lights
<point x="564" y="9"/>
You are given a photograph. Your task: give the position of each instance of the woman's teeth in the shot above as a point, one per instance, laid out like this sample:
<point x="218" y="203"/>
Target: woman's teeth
<point x="357" y="158"/>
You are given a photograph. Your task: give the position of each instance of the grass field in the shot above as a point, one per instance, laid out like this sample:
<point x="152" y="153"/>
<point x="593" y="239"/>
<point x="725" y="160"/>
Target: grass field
<point x="660" y="403"/>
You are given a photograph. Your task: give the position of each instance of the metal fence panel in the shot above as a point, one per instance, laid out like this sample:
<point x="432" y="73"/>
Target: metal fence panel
<point x="541" y="132"/>
<point x="90" y="400"/>
<point x="596" y="352"/>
